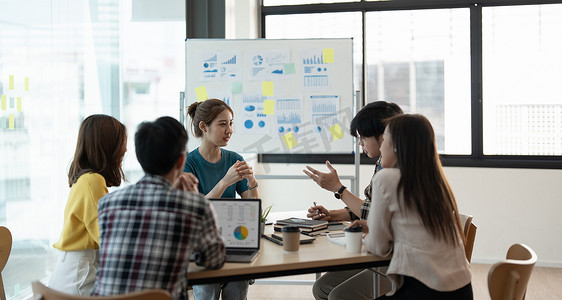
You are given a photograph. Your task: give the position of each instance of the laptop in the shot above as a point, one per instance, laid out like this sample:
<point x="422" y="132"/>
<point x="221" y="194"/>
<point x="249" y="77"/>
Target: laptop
<point x="239" y="223"/>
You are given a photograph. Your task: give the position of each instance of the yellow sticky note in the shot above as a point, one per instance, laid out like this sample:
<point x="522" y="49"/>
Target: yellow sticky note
<point x="11" y="126"/>
<point x="11" y="82"/>
<point x="3" y="102"/>
<point x="19" y="104"/>
<point x="26" y="88"/>
<point x="269" y="107"/>
<point x="289" y="140"/>
<point x="267" y="88"/>
<point x="201" y="93"/>
<point x="328" y="55"/>
<point x="336" y="132"/>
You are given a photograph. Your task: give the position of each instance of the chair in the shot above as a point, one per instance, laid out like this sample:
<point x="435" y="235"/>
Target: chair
<point x="5" y="248"/>
<point x="469" y="233"/>
<point x="41" y="292"/>
<point x="508" y="279"/>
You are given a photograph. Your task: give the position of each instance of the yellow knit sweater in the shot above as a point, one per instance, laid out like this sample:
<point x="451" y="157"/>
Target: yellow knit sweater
<point x="80" y="230"/>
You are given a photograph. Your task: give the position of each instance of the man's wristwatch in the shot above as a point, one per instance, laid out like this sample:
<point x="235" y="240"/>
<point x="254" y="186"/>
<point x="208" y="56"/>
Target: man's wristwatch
<point x="339" y="192"/>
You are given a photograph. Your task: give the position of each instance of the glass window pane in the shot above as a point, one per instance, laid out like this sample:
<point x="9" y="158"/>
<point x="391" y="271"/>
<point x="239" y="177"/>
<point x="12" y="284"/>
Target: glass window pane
<point x="323" y="25"/>
<point x="522" y="71"/>
<point x="421" y="61"/>
<point x="59" y="63"/>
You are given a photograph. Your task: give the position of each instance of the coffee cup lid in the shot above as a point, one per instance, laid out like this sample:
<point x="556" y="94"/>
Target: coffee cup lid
<point x="356" y="228"/>
<point x="290" y="229"/>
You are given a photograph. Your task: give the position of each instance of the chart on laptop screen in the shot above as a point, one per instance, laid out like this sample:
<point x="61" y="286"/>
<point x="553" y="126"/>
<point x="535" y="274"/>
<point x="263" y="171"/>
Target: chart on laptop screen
<point x="239" y="222"/>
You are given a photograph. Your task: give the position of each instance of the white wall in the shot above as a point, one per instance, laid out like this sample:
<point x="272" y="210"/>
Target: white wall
<point x="509" y="205"/>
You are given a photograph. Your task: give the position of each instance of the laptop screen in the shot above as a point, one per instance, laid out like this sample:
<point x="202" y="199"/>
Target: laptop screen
<point x="239" y="220"/>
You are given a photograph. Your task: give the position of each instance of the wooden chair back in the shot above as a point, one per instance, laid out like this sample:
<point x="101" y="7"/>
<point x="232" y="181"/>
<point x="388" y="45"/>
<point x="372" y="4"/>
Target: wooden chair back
<point x="469" y="233"/>
<point x="5" y="249"/>
<point x="41" y="292"/>
<point x="508" y="279"/>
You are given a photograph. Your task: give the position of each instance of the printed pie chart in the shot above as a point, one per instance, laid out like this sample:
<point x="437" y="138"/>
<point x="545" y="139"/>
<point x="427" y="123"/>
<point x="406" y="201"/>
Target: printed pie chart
<point x="241" y="232"/>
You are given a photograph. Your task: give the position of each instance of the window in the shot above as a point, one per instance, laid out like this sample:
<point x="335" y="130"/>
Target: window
<point x="61" y="61"/>
<point x="522" y="103"/>
<point x="326" y="25"/>
<point x="485" y="75"/>
<point x="421" y="61"/>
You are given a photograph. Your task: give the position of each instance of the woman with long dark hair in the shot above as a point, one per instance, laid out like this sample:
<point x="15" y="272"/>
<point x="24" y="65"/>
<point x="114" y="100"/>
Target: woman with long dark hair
<point x="415" y="216"/>
<point x="101" y="145"/>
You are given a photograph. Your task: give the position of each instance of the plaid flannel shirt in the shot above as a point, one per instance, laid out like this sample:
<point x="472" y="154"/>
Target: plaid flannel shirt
<point x="147" y="233"/>
<point x="366" y="206"/>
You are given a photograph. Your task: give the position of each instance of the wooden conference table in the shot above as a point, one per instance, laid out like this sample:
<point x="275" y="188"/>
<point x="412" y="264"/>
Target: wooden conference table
<point x="319" y="256"/>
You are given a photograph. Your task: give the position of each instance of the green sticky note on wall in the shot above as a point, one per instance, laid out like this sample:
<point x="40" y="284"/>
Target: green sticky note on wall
<point x="289" y="68"/>
<point x="236" y="87"/>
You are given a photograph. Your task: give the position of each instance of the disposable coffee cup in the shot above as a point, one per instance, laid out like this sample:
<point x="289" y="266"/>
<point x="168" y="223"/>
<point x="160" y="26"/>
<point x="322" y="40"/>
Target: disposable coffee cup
<point x="291" y="238"/>
<point x="353" y="239"/>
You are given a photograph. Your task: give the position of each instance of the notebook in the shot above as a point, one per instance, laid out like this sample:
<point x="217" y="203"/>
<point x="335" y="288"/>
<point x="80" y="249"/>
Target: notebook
<point x="239" y="222"/>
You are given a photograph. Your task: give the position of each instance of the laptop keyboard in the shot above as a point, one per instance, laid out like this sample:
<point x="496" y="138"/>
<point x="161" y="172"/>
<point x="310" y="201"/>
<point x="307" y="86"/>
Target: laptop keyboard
<point x="239" y="252"/>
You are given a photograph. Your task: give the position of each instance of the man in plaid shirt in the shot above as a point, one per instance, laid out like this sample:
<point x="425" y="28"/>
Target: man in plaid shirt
<point x="148" y="230"/>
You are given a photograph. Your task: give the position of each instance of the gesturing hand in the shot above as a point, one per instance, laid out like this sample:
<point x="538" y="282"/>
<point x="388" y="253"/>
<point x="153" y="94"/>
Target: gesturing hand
<point x="328" y="181"/>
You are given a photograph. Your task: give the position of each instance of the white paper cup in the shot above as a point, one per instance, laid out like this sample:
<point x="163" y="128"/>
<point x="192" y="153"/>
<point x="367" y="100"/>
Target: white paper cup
<point x="353" y="240"/>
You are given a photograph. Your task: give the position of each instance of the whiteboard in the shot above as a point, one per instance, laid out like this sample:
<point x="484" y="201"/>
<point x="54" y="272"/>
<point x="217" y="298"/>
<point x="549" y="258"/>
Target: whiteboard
<point x="288" y="96"/>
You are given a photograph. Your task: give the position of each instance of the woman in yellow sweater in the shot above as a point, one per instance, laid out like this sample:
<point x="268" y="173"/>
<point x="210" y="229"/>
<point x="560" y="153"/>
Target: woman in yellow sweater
<point x="101" y="145"/>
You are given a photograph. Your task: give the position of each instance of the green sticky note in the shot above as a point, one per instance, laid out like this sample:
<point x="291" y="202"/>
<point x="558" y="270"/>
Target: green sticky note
<point x="267" y="88"/>
<point x="3" y="102"/>
<point x="11" y="126"/>
<point x="19" y="103"/>
<point x="26" y="88"/>
<point x="3" y="122"/>
<point x="336" y="131"/>
<point x="11" y="82"/>
<point x="201" y="93"/>
<point x="12" y="102"/>
<point x="289" y="140"/>
<point x="289" y="69"/>
<point x="328" y="55"/>
<point x="236" y="87"/>
<point x="269" y="107"/>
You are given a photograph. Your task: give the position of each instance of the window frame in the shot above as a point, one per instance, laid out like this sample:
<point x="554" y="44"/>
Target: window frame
<point x="477" y="157"/>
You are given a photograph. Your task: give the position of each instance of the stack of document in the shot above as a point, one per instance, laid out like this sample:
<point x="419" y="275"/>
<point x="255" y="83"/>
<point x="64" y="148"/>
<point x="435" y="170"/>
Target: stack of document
<point x="338" y="238"/>
<point x="306" y="225"/>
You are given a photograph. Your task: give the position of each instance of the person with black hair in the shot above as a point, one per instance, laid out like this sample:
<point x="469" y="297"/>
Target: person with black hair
<point x="368" y="127"/>
<point x="148" y="230"/>
<point x="415" y="217"/>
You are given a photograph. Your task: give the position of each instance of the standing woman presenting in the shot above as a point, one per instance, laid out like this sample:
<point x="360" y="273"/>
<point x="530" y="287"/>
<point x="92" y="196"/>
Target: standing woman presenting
<point x="101" y="145"/>
<point x="415" y="216"/>
<point x="221" y="174"/>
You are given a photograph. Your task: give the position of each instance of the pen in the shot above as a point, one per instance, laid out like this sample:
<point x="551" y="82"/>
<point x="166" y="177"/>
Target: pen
<point x="317" y="211"/>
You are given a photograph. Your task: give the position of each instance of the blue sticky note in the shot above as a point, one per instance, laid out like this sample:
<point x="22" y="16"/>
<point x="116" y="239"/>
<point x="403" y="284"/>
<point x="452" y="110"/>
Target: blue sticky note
<point x="236" y="87"/>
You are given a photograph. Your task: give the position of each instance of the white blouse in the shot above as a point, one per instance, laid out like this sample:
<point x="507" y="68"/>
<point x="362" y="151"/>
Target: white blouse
<point x="415" y="252"/>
